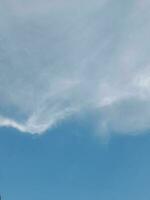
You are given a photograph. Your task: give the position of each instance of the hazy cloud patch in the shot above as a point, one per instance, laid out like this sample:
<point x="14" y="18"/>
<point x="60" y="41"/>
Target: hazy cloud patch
<point x="58" y="58"/>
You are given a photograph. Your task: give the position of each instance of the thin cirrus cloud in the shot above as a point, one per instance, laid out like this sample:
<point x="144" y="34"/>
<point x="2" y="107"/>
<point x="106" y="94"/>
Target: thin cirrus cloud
<point x="58" y="58"/>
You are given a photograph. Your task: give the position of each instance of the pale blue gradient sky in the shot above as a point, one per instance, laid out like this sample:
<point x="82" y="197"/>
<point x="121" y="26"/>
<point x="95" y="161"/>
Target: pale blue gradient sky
<point x="70" y="163"/>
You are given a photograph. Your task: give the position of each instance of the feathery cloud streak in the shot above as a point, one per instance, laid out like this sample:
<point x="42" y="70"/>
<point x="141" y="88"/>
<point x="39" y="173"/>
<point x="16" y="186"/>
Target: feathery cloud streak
<point x="60" y="57"/>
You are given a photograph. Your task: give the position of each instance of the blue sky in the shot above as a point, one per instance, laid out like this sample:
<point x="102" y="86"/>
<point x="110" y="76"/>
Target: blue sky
<point x="70" y="163"/>
<point x="74" y="99"/>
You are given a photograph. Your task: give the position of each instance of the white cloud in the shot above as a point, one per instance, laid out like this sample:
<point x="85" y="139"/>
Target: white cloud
<point x="11" y="123"/>
<point x="60" y="57"/>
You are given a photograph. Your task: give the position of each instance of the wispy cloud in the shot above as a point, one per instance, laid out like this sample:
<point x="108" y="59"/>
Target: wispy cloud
<point x="60" y="57"/>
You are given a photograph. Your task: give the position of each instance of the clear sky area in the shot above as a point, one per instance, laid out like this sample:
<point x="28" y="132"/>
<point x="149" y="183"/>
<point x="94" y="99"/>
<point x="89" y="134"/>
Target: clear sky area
<point x="70" y="163"/>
